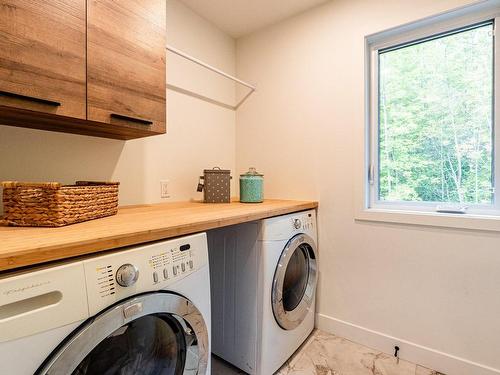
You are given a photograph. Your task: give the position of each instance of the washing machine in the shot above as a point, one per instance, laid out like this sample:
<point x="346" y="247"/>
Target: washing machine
<point x="263" y="277"/>
<point x="141" y="310"/>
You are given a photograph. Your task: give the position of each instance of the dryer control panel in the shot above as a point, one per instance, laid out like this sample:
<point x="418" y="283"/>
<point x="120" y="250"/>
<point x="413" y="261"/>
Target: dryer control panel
<point x="304" y="222"/>
<point x="281" y="228"/>
<point x="140" y="269"/>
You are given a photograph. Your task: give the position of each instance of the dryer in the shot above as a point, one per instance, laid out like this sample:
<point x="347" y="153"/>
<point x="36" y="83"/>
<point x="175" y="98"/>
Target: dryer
<point x="141" y="310"/>
<point x="264" y="277"/>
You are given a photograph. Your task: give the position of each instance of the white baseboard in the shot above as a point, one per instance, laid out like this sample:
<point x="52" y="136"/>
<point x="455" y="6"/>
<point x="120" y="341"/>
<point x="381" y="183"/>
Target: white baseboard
<point x="424" y="356"/>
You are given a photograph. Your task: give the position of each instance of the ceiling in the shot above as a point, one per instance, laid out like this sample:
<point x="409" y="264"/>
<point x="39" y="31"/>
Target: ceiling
<point x="241" y="17"/>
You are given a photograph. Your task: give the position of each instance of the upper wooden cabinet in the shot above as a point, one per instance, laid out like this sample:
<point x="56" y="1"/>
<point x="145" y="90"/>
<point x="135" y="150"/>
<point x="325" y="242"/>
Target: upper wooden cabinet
<point x="126" y="83"/>
<point x="94" y="67"/>
<point x="42" y="56"/>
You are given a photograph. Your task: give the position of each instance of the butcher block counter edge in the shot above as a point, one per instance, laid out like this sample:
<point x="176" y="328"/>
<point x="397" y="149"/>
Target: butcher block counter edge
<point x="21" y="247"/>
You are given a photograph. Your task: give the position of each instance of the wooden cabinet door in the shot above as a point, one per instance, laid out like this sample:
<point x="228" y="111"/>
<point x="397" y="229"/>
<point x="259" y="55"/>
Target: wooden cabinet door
<point x="42" y="56"/>
<point x="126" y="55"/>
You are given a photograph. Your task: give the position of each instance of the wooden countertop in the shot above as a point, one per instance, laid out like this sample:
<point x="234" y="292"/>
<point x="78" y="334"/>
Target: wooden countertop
<point x="21" y="247"/>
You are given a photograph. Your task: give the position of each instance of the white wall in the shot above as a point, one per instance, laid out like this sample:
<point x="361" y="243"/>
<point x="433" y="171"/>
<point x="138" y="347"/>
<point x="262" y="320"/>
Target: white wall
<point x="431" y="290"/>
<point x="199" y="134"/>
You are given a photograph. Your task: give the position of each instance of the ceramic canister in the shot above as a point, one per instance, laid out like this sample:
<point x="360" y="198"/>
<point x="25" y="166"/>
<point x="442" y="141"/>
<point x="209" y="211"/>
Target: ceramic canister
<point x="251" y="187"/>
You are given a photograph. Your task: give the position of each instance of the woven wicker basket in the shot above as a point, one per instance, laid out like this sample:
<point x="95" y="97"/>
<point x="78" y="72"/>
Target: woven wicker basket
<point x="53" y="205"/>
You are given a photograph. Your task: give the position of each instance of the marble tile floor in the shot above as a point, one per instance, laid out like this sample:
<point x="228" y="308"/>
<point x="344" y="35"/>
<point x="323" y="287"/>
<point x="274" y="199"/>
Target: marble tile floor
<point x="326" y="354"/>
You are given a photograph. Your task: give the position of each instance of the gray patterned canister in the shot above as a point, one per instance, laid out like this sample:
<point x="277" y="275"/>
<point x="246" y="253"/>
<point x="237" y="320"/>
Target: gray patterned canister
<point x="251" y="187"/>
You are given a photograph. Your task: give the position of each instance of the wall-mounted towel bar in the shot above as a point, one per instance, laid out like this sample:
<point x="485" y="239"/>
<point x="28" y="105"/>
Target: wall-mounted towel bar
<point x="215" y="70"/>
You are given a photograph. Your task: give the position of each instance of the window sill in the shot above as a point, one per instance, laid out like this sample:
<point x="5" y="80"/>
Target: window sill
<point x="432" y="219"/>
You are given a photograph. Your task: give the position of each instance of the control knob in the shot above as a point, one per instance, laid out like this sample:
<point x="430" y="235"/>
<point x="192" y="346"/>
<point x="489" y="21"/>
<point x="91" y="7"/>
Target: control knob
<point x="297" y="223"/>
<point x="127" y="275"/>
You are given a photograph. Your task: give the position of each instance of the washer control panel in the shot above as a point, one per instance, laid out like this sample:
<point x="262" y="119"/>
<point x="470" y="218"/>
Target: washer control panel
<point x="171" y="263"/>
<point x="143" y="268"/>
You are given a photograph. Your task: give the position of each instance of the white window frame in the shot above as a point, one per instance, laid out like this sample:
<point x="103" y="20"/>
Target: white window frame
<point x="425" y="212"/>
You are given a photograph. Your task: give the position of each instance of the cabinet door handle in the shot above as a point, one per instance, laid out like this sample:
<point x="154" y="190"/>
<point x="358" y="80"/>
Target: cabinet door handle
<point x="132" y="119"/>
<point x="30" y="98"/>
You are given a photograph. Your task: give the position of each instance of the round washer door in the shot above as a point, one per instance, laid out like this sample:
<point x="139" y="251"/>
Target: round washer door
<point x="294" y="282"/>
<point x="150" y="334"/>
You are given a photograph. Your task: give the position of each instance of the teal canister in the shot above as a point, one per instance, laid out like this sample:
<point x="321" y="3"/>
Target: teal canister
<point x="251" y="187"/>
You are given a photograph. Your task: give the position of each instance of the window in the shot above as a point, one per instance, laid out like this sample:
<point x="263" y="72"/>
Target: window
<point x="432" y="119"/>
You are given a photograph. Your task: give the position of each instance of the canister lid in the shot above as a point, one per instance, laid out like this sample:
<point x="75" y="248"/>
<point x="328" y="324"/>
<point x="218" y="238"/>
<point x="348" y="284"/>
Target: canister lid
<point x="216" y="170"/>
<point x="251" y="172"/>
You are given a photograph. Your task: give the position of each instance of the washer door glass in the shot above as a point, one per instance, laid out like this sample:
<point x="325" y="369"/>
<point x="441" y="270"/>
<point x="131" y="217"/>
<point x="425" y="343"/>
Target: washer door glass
<point x="294" y="282"/>
<point x="296" y="277"/>
<point x="156" y="333"/>
<point x="152" y="344"/>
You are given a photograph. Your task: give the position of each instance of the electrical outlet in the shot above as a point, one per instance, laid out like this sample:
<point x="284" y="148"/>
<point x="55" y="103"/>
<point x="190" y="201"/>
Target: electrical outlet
<point x="164" y="189"/>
